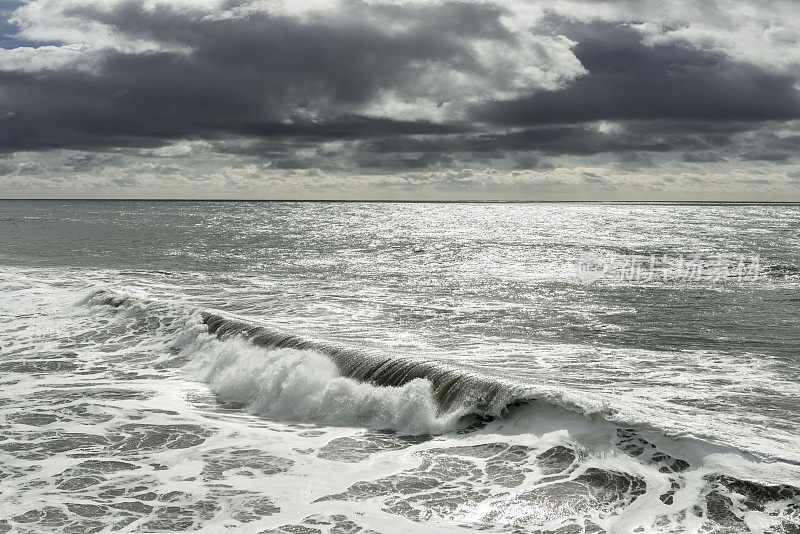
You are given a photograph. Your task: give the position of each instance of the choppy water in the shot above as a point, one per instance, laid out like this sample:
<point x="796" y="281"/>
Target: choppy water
<point x="355" y="367"/>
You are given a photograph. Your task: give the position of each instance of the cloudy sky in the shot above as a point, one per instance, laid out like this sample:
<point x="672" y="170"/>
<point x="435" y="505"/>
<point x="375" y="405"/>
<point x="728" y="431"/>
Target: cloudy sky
<point x="595" y="100"/>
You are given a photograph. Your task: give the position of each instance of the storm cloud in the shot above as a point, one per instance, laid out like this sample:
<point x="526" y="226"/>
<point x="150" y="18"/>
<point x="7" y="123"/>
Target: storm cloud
<point x="629" y="80"/>
<point x="246" y="93"/>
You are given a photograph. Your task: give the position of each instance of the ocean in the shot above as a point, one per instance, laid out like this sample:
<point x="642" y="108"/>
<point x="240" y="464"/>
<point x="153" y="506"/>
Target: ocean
<point x="303" y="367"/>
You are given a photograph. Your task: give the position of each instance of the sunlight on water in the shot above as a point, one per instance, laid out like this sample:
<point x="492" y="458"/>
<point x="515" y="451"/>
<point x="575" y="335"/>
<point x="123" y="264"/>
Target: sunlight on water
<point x="387" y="367"/>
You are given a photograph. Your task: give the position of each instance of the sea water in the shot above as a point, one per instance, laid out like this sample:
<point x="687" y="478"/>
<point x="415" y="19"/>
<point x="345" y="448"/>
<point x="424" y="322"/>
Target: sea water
<point x="399" y="367"/>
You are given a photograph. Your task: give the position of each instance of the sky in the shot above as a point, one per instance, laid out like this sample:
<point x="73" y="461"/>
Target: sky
<point x="346" y="99"/>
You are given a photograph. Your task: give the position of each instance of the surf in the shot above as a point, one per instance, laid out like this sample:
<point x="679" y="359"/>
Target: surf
<point x="583" y="465"/>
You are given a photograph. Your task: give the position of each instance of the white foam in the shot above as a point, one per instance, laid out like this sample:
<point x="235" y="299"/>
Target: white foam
<point x="304" y="385"/>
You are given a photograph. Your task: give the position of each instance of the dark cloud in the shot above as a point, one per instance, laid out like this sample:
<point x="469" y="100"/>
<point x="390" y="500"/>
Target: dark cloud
<point x="423" y="161"/>
<point x="597" y="181"/>
<point x="527" y="162"/>
<point x="82" y="162"/>
<point x="789" y="143"/>
<point x="257" y="76"/>
<point x="629" y="80"/>
<point x="773" y="157"/>
<point x="635" y="159"/>
<point x="581" y="140"/>
<point x="291" y="93"/>
<point x="346" y="127"/>
<point x="702" y="157"/>
<point x="631" y="146"/>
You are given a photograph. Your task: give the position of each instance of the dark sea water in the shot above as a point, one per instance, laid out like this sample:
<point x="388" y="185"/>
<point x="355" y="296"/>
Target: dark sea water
<point x="390" y="367"/>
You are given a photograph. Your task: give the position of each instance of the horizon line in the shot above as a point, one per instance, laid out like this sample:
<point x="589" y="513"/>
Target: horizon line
<point x="398" y="201"/>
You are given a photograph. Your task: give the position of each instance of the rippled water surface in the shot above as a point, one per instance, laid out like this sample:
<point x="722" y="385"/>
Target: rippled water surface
<point x="397" y="367"/>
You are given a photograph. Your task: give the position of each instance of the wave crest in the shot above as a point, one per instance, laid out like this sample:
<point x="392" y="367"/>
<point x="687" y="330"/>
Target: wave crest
<point x="453" y="389"/>
<point x="305" y="385"/>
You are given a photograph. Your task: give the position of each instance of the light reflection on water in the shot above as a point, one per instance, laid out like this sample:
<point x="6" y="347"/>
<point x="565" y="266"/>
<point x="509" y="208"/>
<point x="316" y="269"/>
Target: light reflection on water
<point x="102" y="423"/>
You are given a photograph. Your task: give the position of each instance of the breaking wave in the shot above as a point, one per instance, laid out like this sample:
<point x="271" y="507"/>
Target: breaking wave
<point x="452" y="389"/>
<point x="283" y="375"/>
<point x="305" y="385"/>
<point x="288" y="376"/>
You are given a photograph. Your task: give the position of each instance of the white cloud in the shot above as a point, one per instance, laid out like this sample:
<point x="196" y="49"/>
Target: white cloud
<point x="30" y="59"/>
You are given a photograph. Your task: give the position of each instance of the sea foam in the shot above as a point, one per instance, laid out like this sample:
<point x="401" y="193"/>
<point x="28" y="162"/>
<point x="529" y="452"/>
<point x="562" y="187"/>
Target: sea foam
<point x="304" y="385"/>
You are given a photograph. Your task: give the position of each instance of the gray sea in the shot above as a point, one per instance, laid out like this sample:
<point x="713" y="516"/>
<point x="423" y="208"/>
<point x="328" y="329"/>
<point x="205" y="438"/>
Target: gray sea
<point x="399" y="367"/>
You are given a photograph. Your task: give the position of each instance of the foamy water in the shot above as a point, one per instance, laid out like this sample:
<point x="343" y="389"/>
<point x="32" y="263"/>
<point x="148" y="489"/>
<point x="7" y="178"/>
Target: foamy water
<point x="389" y="368"/>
